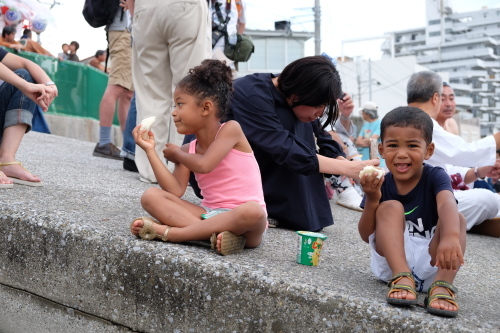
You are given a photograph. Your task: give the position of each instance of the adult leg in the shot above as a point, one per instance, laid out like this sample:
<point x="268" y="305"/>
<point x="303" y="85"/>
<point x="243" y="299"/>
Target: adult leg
<point x="128" y="148"/>
<point x="389" y="236"/>
<point x="171" y="37"/>
<point x="108" y="105"/>
<point x="16" y="115"/>
<point x="443" y="274"/>
<point x="477" y="205"/>
<point x="123" y="107"/>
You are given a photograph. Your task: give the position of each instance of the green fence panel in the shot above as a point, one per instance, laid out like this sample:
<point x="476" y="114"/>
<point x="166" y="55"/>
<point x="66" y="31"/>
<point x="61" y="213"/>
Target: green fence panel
<point x="80" y="86"/>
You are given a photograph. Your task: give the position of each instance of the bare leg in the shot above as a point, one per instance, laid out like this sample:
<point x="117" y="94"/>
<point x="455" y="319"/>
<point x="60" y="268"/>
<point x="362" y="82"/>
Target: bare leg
<point x="248" y="219"/>
<point x="390" y="242"/>
<point x="108" y="104"/>
<point x="11" y="140"/>
<point x="123" y="106"/>
<point x="447" y="275"/>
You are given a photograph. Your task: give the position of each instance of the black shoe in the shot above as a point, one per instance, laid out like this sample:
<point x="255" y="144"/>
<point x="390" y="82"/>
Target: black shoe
<point x="107" y="150"/>
<point x="129" y="165"/>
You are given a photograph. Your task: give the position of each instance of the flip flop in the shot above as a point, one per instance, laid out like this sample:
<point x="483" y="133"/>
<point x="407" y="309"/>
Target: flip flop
<point x="230" y="243"/>
<point x="147" y="231"/>
<point x="21" y="181"/>
<point x="449" y="298"/>
<point x="400" y="287"/>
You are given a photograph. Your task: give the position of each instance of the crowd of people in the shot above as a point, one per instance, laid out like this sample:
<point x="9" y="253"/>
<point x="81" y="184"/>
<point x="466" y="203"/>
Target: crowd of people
<point x="259" y="150"/>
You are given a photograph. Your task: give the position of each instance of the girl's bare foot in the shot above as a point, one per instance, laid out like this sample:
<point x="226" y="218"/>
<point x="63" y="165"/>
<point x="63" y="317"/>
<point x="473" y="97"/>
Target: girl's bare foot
<point x="139" y="223"/>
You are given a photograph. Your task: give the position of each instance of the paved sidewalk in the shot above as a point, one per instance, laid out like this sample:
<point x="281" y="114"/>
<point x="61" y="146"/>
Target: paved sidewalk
<point x="69" y="242"/>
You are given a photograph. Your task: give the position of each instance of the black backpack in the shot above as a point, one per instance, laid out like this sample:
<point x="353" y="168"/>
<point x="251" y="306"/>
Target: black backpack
<point x="99" y="13"/>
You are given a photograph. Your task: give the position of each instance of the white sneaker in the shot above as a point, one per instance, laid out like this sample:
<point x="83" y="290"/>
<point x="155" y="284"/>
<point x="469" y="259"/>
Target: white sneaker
<point x="349" y="198"/>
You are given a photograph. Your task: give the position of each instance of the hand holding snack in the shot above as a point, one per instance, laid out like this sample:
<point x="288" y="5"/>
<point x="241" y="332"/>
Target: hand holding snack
<point x="368" y="170"/>
<point x="146" y="124"/>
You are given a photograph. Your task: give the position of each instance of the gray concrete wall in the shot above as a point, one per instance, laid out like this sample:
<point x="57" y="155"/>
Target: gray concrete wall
<point x="84" y="129"/>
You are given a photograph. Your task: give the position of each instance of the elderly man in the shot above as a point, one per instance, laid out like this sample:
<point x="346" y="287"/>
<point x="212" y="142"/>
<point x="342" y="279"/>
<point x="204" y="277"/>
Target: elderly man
<point x="424" y="92"/>
<point x="448" y="105"/>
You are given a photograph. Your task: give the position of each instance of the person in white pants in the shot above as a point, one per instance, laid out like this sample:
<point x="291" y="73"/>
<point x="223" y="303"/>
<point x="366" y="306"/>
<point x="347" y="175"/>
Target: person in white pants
<point x="477" y="205"/>
<point x="169" y="38"/>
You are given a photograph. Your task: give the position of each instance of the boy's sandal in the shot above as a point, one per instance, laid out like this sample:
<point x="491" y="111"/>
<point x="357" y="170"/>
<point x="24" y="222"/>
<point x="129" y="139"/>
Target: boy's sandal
<point x="230" y="243"/>
<point x="400" y="287"/>
<point x="21" y="181"/>
<point x="148" y="231"/>
<point x="448" y="298"/>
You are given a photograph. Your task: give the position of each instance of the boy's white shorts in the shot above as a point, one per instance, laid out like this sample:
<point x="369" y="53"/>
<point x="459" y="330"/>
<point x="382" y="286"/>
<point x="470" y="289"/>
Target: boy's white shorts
<point x="417" y="257"/>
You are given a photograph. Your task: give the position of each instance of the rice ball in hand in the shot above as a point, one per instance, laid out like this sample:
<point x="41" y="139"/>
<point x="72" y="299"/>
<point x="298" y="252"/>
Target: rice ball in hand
<point x="369" y="169"/>
<point x="146" y="124"/>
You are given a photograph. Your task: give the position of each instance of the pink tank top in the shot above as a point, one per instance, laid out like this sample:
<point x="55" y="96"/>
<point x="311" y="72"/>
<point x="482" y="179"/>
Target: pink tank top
<point x="234" y="181"/>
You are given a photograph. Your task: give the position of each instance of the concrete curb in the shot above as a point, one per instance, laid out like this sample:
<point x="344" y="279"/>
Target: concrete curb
<point x="69" y="242"/>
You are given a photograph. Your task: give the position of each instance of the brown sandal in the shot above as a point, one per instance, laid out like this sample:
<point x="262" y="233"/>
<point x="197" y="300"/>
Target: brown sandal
<point x="400" y="287"/>
<point x="147" y="231"/>
<point x="230" y="243"/>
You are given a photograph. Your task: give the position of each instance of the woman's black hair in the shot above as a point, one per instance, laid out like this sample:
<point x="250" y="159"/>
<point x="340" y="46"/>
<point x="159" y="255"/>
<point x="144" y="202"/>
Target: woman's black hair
<point x="314" y="81"/>
<point x="213" y="80"/>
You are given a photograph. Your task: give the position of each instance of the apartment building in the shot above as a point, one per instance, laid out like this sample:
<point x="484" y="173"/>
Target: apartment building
<point x="467" y="47"/>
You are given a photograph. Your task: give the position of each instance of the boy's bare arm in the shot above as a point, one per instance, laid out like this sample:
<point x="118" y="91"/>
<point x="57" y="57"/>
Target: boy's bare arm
<point x="449" y="251"/>
<point x="371" y="186"/>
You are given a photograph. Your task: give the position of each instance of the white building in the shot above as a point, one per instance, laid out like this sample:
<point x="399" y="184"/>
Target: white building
<point x="274" y="49"/>
<point x="467" y="47"/>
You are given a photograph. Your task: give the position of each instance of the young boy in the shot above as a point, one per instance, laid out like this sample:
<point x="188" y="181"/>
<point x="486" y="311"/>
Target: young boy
<point x="410" y="217"/>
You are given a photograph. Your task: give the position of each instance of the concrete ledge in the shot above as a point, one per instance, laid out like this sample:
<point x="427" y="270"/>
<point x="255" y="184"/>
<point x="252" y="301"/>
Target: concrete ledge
<point x="69" y="243"/>
<point x="84" y="129"/>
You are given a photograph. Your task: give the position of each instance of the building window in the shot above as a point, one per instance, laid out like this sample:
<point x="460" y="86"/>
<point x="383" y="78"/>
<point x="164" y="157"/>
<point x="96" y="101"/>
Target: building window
<point x="434" y="33"/>
<point x="432" y="22"/>
<point x="413" y="36"/>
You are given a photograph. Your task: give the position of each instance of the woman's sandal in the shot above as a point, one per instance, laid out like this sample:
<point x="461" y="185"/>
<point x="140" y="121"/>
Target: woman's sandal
<point x="21" y="181"/>
<point x="400" y="287"/>
<point x="448" y="298"/>
<point x="148" y="231"/>
<point x="230" y="243"/>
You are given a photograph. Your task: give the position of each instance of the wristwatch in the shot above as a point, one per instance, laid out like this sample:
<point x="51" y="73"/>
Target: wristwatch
<point x="50" y="83"/>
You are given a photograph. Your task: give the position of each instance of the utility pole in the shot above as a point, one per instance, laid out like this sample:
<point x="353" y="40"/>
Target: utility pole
<point x="370" y="77"/>
<point x="358" y="78"/>
<point x="317" y="28"/>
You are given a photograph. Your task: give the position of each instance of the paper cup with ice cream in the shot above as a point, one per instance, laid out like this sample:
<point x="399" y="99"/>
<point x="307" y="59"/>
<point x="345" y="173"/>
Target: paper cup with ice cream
<point x="310" y="245"/>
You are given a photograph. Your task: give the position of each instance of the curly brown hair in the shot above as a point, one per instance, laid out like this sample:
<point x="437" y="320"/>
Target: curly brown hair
<point x="212" y="80"/>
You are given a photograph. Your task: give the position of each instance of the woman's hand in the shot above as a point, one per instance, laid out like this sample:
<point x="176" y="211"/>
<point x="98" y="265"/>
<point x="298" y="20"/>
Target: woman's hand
<point x="355" y="167"/>
<point x="346" y="105"/>
<point x="146" y="145"/>
<point x="38" y="93"/>
<point x="170" y="152"/>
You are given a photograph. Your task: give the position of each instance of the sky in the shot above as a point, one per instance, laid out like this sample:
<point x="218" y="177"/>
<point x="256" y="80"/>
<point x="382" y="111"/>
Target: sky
<point x="341" y="22"/>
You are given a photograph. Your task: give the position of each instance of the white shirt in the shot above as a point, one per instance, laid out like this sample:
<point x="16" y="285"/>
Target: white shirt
<point x="452" y="149"/>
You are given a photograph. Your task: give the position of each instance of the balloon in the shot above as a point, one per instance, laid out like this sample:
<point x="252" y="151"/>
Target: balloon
<point x="38" y="24"/>
<point x="12" y="16"/>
